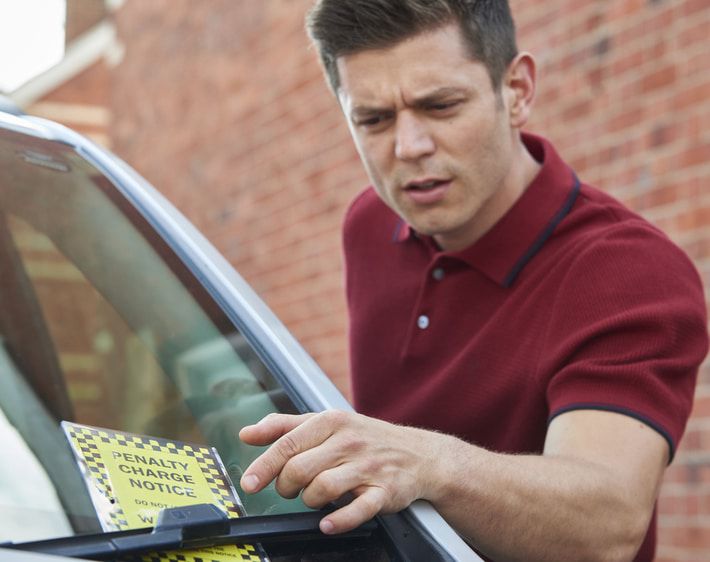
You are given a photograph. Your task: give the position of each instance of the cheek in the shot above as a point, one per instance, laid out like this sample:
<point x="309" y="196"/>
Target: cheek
<point x="374" y="175"/>
<point x="374" y="160"/>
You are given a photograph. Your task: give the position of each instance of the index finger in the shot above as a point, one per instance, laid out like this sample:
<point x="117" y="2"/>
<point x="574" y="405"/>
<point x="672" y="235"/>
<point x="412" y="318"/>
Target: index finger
<point x="305" y="434"/>
<point x="271" y="427"/>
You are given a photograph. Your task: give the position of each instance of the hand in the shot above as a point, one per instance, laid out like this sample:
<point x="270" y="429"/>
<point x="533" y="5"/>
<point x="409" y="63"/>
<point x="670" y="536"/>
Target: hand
<point x="325" y="456"/>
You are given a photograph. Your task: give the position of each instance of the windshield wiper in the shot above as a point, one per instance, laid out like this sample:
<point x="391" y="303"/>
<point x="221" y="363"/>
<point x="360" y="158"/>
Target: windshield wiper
<point x="192" y="526"/>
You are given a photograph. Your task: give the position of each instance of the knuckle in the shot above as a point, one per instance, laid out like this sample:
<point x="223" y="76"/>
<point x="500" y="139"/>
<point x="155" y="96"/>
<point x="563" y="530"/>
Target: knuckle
<point x="314" y="501"/>
<point x="352" y="443"/>
<point x="369" y="505"/>
<point x="313" y="496"/>
<point x="365" y="507"/>
<point x="327" y="487"/>
<point x="309" y="500"/>
<point x="335" y="418"/>
<point x="296" y="471"/>
<point x="270" y="465"/>
<point x="271" y="418"/>
<point x="287" y="447"/>
<point x="285" y="488"/>
<point x="324" y="488"/>
<point x="371" y="465"/>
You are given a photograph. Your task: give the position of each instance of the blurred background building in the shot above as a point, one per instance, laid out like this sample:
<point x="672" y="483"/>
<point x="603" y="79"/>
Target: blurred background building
<point x="221" y="105"/>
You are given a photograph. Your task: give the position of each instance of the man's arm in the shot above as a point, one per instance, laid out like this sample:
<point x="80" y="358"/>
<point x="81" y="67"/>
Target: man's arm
<point x="590" y="496"/>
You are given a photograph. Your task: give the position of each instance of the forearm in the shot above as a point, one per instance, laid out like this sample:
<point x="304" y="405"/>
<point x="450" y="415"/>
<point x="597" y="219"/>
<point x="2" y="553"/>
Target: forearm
<point x="589" y="497"/>
<point x="527" y="507"/>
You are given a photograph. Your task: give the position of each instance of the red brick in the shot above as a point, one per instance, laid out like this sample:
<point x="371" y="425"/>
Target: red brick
<point x="691" y="535"/>
<point x="660" y="78"/>
<point x="695" y="8"/>
<point x="695" y="34"/>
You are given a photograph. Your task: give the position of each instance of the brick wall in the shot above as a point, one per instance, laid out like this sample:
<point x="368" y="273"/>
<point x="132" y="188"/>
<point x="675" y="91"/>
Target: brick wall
<point x="81" y="103"/>
<point x="221" y="105"/>
<point x="82" y="15"/>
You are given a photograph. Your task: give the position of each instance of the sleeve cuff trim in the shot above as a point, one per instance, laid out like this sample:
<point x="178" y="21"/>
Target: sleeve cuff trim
<point x="620" y="410"/>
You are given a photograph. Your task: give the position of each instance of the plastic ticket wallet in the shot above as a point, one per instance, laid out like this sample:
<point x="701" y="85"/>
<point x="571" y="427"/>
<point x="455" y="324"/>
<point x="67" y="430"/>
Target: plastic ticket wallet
<point x="132" y="477"/>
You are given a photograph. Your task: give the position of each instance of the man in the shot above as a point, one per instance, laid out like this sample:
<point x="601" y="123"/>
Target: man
<point x="531" y="344"/>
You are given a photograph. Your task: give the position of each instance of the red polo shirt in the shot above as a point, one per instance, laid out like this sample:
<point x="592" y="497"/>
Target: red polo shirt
<point x="570" y="301"/>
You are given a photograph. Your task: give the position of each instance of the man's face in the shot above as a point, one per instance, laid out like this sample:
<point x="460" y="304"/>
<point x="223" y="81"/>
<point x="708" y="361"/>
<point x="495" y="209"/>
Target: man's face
<point x="433" y="135"/>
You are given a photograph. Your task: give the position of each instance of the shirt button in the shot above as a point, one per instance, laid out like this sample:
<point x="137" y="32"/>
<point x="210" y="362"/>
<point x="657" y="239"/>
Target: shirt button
<point x="423" y="322"/>
<point x="438" y="273"/>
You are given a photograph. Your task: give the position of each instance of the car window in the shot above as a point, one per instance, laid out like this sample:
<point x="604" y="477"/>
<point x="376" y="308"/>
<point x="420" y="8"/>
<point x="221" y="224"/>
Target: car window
<point x="100" y="324"/>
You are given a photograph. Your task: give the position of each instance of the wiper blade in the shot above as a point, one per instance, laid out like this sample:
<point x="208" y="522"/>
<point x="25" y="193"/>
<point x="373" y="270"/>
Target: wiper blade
<point x="189" y="527"/>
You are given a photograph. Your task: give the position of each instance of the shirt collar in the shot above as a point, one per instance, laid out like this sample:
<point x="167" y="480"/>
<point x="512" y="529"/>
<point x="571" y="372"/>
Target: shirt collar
<point x="513" y="241"/>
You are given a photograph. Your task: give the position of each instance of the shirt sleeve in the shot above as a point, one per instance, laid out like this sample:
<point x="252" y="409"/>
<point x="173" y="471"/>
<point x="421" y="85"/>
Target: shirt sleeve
<point x="628" y="328"/>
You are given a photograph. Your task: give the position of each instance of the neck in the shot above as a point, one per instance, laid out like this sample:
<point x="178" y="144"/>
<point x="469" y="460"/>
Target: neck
<point x="521" y="175"/>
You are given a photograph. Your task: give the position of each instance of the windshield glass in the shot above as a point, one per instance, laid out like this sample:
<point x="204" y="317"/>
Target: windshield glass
<point x="100" y="324"/>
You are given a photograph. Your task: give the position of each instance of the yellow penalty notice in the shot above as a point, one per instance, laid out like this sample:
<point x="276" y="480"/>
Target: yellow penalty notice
<point x="132" y="477"/>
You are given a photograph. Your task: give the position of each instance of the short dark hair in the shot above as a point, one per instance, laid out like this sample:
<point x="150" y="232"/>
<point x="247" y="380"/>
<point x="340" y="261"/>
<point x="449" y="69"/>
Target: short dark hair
<point x="345" y="27"/>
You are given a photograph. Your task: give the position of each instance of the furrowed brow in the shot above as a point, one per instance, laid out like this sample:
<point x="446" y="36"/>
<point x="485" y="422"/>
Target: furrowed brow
<point x="365" y="110"/>
<point x="438" y="95"/>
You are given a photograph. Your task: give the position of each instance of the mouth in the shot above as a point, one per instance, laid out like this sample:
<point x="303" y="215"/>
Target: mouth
<point x="427" y="191"/>
<point x="425" y="185"/>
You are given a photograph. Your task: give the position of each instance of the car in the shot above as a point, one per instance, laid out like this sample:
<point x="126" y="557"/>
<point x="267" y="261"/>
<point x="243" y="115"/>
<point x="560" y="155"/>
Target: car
<point x="116" y="313"/>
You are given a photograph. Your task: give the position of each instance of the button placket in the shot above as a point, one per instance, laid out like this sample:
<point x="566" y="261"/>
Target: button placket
<point x="421" y="320"/>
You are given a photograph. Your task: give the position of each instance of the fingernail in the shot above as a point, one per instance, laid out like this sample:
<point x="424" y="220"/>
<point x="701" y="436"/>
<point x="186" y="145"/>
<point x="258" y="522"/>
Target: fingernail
<point x="326" y="526"/>
<point x="250" y="482"/>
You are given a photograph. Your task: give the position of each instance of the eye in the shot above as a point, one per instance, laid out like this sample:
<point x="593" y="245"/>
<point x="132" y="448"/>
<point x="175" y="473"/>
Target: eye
<point x="443" y="106"/>
<point x="372" y="121"/>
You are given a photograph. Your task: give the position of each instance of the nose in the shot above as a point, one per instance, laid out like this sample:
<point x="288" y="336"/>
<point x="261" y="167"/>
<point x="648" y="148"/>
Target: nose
<point x="413" y="140"/>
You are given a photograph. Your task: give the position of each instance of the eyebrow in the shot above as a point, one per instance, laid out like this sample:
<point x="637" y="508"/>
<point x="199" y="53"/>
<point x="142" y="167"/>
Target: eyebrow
<point x="436" y="95"/>
<point x="439" y="94"/>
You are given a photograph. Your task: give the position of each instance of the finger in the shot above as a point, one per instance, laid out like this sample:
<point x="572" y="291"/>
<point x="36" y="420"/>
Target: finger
<point x="331" y="485"/>
<point x="361" y="509"/>
<point x="307" y="434"/>
<point x="302" y="470"/>
<point x="270" y="428"/>
<point x="322" y="471"/>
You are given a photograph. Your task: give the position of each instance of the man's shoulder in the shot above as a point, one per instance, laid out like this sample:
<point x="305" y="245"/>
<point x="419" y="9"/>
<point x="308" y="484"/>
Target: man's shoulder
<point x="365" y="202"/>
<point x="604" y="244"/>
<point x="597" y="215"/>
<point x="368" y="214"/>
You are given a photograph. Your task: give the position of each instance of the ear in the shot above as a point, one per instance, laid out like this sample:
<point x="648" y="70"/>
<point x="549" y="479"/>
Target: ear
<point x="519" y="88"/>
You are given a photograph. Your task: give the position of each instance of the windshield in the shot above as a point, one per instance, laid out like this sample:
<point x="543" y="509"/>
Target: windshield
<point x="100" y="324"/>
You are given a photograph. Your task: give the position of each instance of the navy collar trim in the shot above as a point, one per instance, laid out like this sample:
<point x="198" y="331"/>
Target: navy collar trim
<point x="544" y="235"/>
<point x="398" y="230"/>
